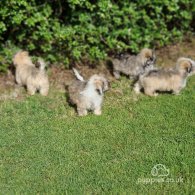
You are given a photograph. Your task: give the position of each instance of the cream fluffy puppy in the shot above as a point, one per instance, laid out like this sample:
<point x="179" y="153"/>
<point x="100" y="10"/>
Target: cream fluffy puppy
<point x="166" y="80"/>
<point x="88" y="95"/>
<point x="35" y="79"/>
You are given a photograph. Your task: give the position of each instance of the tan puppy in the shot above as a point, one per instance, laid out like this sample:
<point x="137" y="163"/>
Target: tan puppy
<point x="35" y="79"/>
<point x="88" y="95"/>
<point x="133" y="66"/>
<point x="168" y="80"/>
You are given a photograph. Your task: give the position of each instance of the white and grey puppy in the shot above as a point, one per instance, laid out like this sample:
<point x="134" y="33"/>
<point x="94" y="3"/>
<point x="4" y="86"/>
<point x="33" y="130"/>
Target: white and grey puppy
<point x="35" y="79"/>
<point x="166" y="80"/>
<point x="88" y="95"/>
<point x="132" y="65"/>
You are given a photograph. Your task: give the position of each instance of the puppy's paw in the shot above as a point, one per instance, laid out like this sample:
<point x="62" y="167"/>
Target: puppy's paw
<point x="31" y="92"/>
<point x="116" y="75"/>
<point x="97" y="112"/>
<point x="176" y="92"/>
<point x="82" y="112"/>
<point x="136" y="88"/>
<point x="44" y="93"/>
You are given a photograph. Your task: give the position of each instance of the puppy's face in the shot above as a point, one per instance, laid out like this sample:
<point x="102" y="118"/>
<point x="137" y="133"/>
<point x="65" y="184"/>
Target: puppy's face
<point x="100" y="83"/>
<point x="148" y="58"/>
<point x="186" y="65"/>
<point x="21" y="58"/>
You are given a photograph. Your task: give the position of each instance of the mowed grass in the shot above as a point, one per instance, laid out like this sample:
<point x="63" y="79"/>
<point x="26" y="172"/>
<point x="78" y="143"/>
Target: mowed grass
<point x="46" y="148"/>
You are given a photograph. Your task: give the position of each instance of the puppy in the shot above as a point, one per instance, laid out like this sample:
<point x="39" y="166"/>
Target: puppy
<point x="35" y="79"/>
<point x="88" y="95"/>
<point x="166" y="80"/>
<point x="133" y="66"/>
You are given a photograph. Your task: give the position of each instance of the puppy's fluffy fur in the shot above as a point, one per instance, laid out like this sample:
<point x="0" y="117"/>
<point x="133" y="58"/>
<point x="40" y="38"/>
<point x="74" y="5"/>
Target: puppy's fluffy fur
<point x="88" y="95"/>
<point x="168" y="80"/>
<point x="35" y="79"/>
<point x="133" y="66"/>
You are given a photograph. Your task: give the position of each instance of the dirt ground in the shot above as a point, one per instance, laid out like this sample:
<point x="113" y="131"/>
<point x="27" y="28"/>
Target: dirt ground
<point x="60" y="77"/>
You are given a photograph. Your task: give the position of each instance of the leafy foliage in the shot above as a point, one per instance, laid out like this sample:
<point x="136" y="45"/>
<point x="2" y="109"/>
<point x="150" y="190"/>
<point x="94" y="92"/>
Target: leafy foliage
<point x="73" y="30"/>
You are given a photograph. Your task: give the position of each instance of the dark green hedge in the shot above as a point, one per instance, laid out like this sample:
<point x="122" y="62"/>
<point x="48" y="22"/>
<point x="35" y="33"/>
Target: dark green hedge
<point x="76" y="30"/>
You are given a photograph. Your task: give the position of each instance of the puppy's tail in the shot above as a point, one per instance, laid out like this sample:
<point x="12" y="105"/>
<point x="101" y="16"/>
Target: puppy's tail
<point x="42" y="64"/>
<point x="78" y="76"/>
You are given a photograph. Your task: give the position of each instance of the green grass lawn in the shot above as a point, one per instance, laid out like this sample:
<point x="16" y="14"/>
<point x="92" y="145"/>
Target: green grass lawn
<point x="46" y="148"/>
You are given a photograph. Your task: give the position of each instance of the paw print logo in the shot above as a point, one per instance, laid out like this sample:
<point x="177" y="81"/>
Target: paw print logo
<point x="160" y="170"/>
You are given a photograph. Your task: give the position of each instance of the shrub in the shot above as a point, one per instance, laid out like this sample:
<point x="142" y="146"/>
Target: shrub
<point x="75" y="30"/>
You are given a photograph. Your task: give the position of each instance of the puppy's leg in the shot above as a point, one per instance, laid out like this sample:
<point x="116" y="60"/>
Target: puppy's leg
<point x="177" y="92"/>
<point x="44" y="90"/>
<point x="18" y="80"/>
<point x="31" y="89"/>
<point x="131" y="77"/>
<point x="116" y="74"/>
<point x="137" y="88"/>
<point x="150" y="92"/>
<point x="82" y="111"/>
<point x="98" y="111"/>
